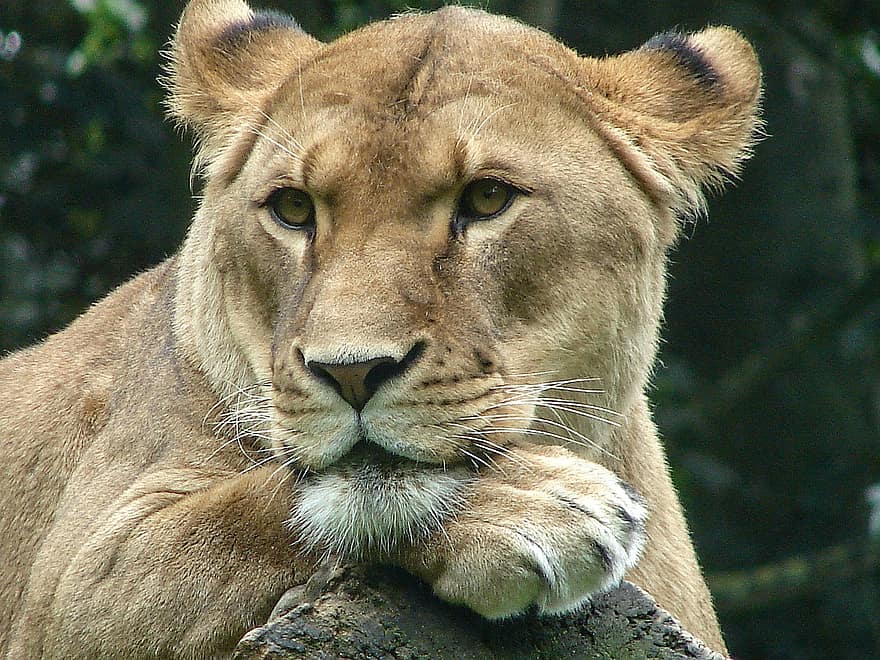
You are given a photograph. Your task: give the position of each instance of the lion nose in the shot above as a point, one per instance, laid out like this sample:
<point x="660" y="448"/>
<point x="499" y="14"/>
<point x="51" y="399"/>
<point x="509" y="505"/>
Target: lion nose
<point x="358" y="381"/>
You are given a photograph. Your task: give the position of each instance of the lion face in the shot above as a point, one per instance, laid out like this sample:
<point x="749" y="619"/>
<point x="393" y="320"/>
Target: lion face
<point x="421" y="243"/>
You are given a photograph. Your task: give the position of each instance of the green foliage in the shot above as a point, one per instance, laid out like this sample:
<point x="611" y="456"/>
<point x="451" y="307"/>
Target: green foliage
<point x="81" y="205"/>
<point x="769" y="394"/>
<point x="115" y="32"/>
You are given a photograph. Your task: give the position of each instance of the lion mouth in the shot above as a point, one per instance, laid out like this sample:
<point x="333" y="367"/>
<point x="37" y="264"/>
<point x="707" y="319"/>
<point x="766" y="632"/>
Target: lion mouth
<point x="368" y="457"/>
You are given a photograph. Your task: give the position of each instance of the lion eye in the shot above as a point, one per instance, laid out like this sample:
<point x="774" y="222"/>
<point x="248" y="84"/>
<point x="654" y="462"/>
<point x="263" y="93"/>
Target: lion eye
<point x="292" y="208"/>
<point x="485" y="198"/>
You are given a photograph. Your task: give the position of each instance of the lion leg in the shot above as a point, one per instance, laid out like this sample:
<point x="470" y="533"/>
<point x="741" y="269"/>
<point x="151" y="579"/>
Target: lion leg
<point x="180" y="566"/>
<point x="668" y="568"/>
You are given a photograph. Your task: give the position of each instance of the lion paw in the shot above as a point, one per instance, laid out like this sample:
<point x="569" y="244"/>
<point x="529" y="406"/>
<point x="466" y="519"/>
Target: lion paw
<point x="546" y="529"/>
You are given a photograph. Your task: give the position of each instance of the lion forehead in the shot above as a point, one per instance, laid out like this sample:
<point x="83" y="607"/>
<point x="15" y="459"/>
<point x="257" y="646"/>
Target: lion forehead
<point x="417" y="62"/>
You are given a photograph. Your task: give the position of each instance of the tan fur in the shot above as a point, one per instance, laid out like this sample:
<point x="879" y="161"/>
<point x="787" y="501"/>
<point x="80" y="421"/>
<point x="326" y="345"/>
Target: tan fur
<point x="153" y="496"/>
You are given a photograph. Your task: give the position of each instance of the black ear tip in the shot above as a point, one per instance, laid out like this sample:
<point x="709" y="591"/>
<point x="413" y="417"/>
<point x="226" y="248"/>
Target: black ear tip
<point x="687" y="55"/>
<point x="261" y="21"/>
<point x="267" y="19"/>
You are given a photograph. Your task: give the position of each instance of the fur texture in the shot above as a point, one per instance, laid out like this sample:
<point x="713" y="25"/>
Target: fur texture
<point x="183" y="453"/>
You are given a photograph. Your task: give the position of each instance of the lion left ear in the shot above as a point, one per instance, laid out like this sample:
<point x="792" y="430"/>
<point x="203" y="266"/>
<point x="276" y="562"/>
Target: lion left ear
<point x="225" y="59"/>
<point x="682" y="111"/>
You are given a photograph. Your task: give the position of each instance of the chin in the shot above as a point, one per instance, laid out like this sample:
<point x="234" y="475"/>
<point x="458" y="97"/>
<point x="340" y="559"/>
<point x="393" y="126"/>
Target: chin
<point x="370" y="502"/>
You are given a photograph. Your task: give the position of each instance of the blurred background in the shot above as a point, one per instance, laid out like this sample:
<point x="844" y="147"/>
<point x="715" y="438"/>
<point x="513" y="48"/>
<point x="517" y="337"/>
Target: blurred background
<point x="768" y="394"/>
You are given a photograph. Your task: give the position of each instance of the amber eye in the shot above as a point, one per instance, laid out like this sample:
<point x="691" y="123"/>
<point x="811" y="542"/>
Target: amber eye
<point x="292" y="208"/>
<point x="485" y="198"/>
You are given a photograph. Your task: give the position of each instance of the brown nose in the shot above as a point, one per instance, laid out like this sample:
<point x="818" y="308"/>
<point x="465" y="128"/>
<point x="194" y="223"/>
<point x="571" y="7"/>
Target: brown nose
<point x="358" y="381"/>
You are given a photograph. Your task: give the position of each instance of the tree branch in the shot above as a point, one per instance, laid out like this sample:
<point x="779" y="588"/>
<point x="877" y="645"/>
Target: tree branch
<point x="379" y="612"/>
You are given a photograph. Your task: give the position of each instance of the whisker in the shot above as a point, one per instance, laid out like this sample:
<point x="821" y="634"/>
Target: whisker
<point x="579" y="390"/>
<point x="290" y="153"/>
<point x="464" y="103"/>
<point x="489" y="116"/>
<point x="503" y="452"/>
<point x="259" y="464"/>
<point x="530" y="374"/>
<point x="562" y="423"/>
<point x="583" y="441"/>
<point x="302" y="101"/>
<point x="585" y="406"/>
<point x="224" y="400"/>
<point x="287" y="134"/>
<point x="476" y="459"/>
<point x="289" y="464"/>
<point x="551" y="385"/>
<point x="574" y="411"/>
<point x="246" y="417"/>
<point x="456" y="424"/>
<point x="236" y="439"/>
<point x="481" y="444"/>
<point x="284" y="465"/>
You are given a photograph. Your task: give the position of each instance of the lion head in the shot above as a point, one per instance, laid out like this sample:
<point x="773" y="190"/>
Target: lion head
<point x="435" y="237"/>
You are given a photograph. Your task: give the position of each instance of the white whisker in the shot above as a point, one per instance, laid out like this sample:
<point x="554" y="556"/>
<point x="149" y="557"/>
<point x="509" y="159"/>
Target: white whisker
<point x="582" y="440"/>
<point x="489" y="116"/>
<point x="585" y="406"/>
<point x="579" y="413"/>
<point x="290" y="153"/>
<point x="287" y="134"/>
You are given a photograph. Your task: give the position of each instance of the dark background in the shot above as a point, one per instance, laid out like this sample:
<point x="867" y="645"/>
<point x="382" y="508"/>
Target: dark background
<point x="768" y="393"/>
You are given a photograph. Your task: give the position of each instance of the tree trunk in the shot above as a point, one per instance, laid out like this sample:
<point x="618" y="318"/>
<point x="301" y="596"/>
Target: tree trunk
<point x="380" y="612"/>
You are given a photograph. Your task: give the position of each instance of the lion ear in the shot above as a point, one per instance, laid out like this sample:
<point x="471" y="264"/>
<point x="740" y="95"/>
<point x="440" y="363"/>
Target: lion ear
<point x="224" y="60"/>
<point x="683" y="110"/>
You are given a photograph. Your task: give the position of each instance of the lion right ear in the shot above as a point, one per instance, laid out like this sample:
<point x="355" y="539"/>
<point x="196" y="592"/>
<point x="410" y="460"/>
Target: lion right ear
<point x="225" y="61"/>
<point x="683" y="111"/>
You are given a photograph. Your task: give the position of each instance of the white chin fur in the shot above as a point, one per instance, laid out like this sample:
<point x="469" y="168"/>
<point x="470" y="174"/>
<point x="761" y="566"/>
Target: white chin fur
<point x="366" y="510"/>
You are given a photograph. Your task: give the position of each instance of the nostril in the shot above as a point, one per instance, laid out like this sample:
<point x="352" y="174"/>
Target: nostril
<point x="388" y="369"/>
<point x="380" y="373"/>
<point x="319" y="372"/>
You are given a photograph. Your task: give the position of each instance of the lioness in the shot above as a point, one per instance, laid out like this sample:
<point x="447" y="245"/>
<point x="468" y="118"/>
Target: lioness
<point x="413" y="321"/>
